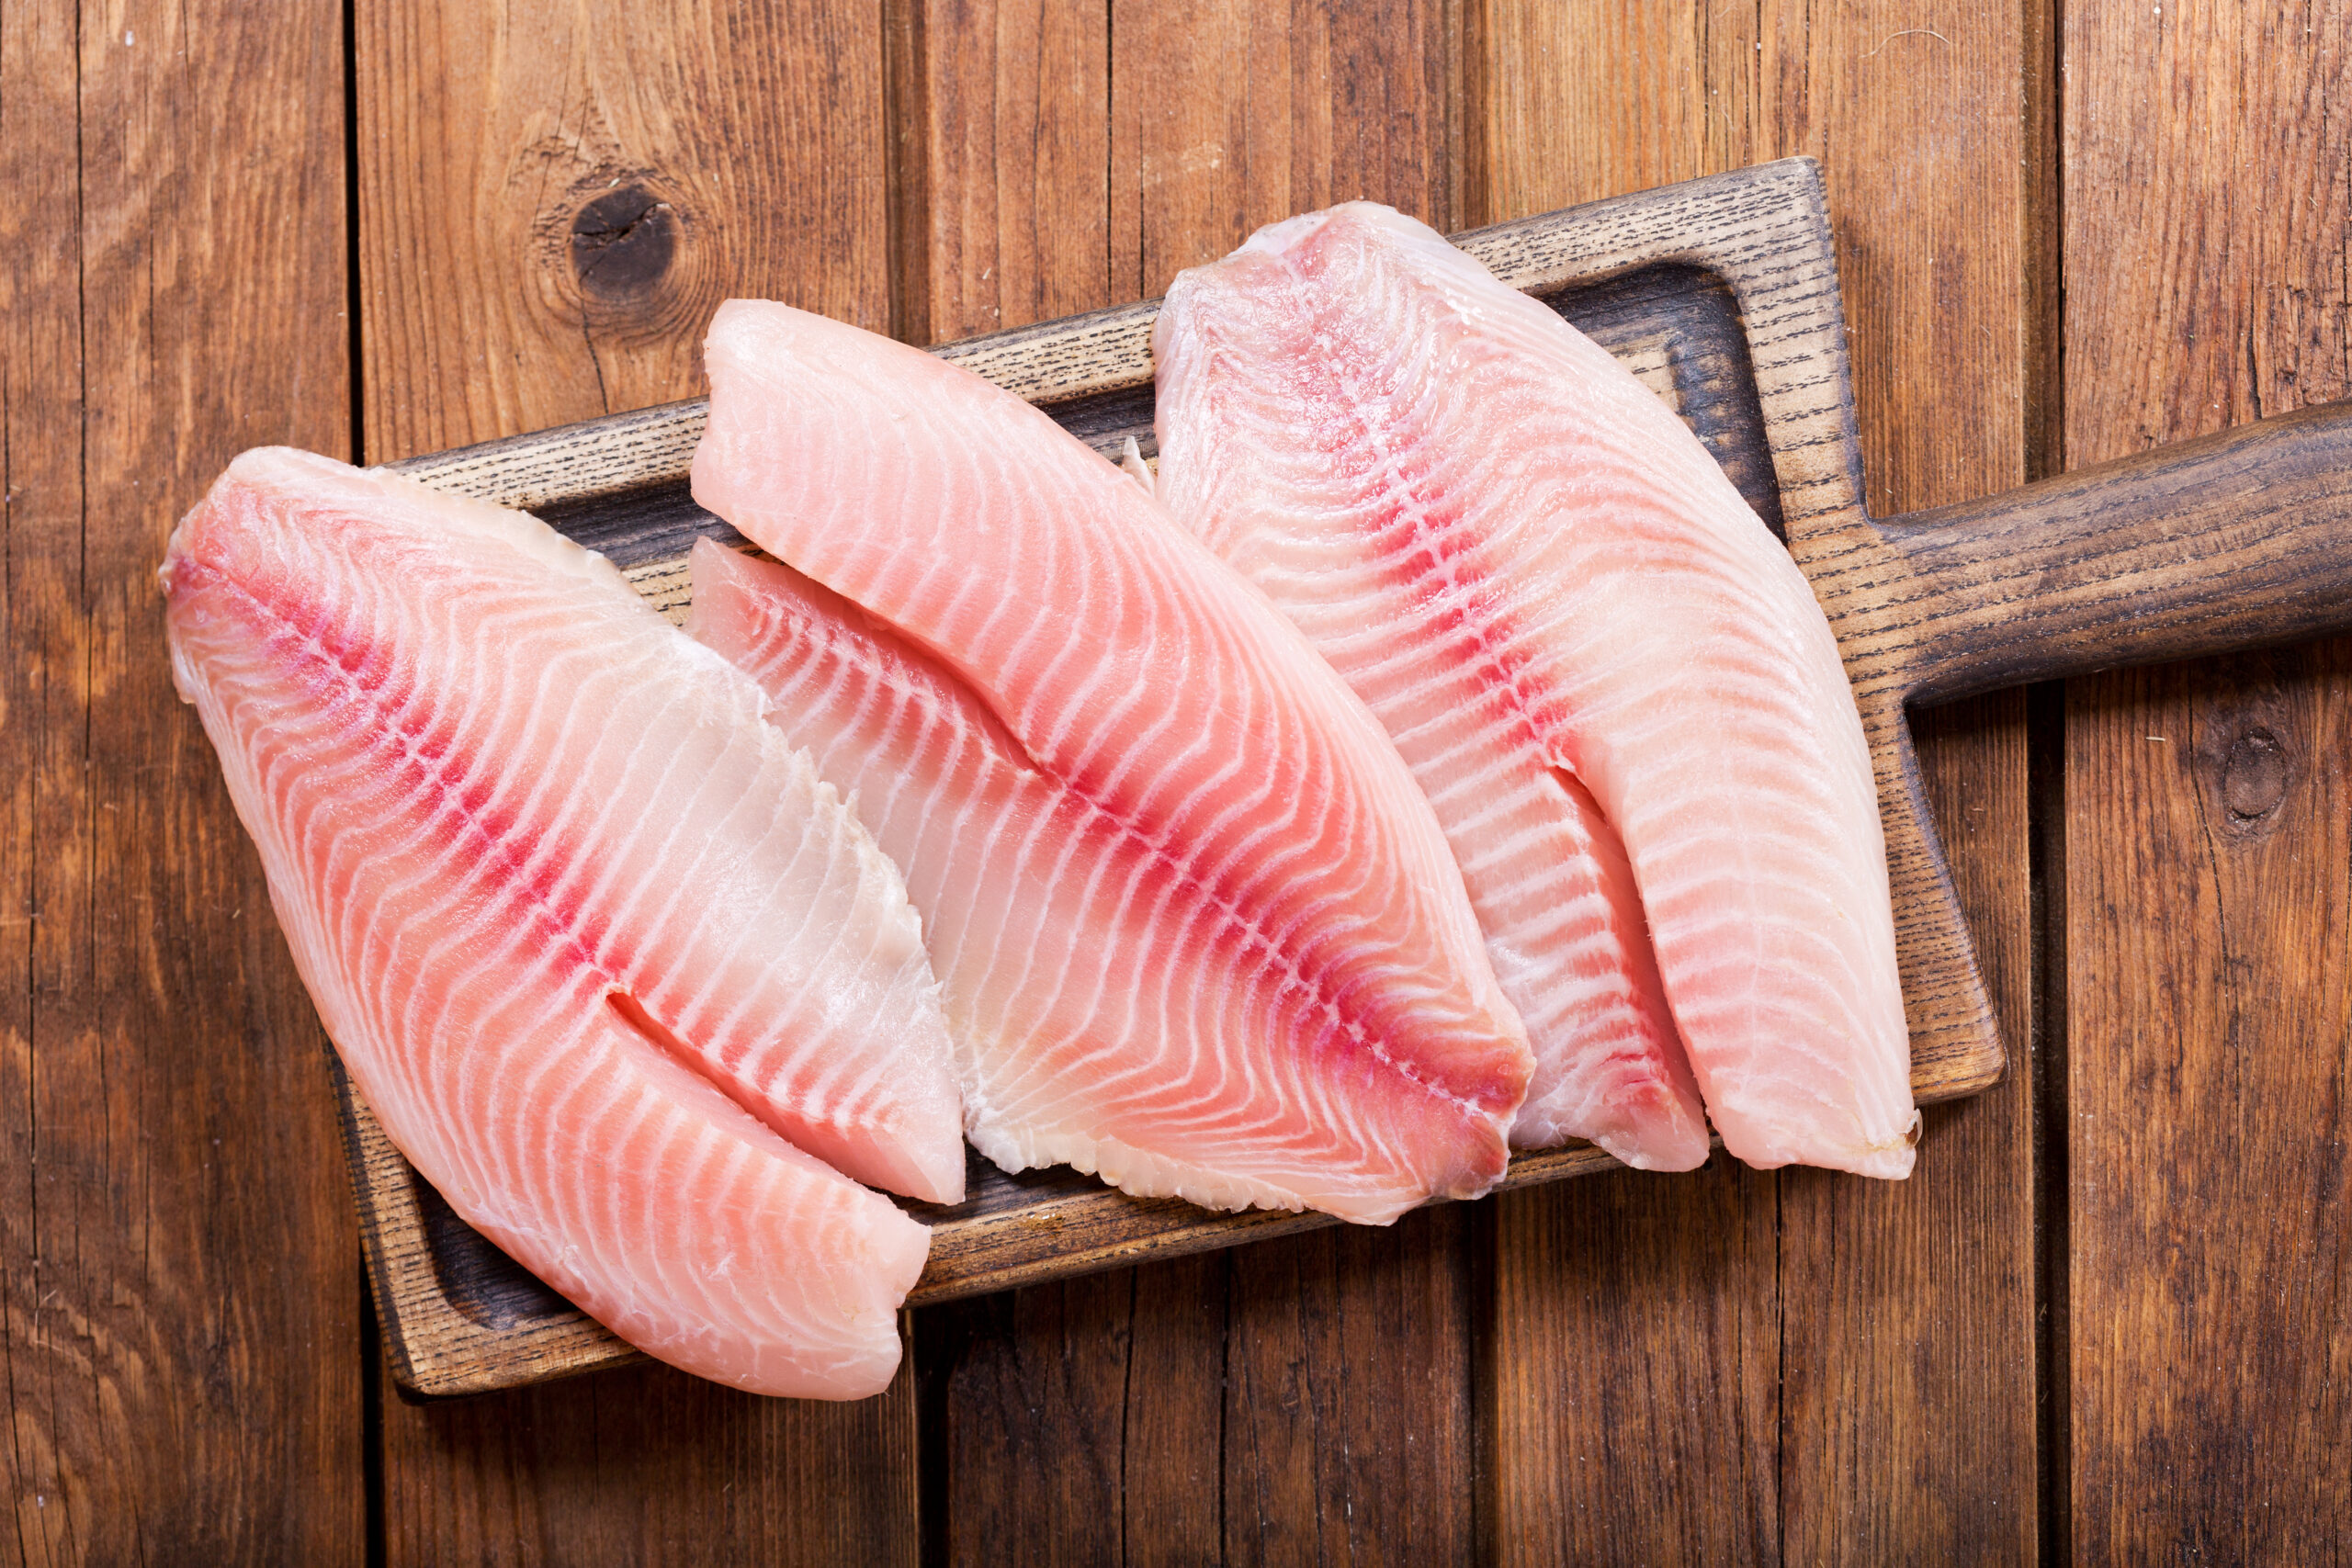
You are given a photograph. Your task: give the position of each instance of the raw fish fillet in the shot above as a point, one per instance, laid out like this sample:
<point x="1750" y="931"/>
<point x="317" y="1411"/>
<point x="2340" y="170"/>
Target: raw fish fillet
<point x="1197" y="930"/>
<point x="1613" y="683"/>
<point x="555" y="885"/>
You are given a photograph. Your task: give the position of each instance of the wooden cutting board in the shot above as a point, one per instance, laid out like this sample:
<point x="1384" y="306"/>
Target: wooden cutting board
<point x="1722" y="295"/>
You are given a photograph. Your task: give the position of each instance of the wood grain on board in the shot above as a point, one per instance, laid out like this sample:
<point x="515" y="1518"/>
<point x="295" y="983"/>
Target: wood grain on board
<point x="179" y="1335"/>
<point x="1852" y="1362"/>
<point x="2208" y="819"/>
<point x="553" y="199"/>
<point x="1072" y="157"/>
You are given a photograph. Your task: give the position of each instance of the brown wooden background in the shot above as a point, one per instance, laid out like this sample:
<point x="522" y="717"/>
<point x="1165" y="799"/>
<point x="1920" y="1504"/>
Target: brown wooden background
<point x="2110" y="1317"/>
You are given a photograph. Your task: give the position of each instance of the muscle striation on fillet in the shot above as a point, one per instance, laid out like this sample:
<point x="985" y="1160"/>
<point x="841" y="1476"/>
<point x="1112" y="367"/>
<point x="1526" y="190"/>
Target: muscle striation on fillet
<point x="612" y="965"/>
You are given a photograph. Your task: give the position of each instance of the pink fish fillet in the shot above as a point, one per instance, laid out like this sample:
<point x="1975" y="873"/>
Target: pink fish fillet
<point x="593" y="939"/>
<point x="1613" y="683"/>
<point x="1197" y="928"/>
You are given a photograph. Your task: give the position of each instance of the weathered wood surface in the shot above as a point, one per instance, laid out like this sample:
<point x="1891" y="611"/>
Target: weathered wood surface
<point x="180" y="1337"/>
<point x="2208" y="817"/>
<point x="514" y="273"/>
<point x="1803" y="1368"/>
<point x="2236" y="540"/>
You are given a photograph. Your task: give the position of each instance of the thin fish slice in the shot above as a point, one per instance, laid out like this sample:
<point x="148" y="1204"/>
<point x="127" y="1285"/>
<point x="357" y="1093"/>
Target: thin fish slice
<point x="1271" y="451"/>
<point x="1582" y="639"/>
<point x="554" y="886"/>
<point x="1198" y="931"/>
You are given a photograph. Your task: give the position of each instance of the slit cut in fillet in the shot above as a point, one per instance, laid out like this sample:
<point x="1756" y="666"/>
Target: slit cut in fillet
<point x="1614" y="685"/>
<point x="614" y="968"/>
<point x="1196" y="927"/>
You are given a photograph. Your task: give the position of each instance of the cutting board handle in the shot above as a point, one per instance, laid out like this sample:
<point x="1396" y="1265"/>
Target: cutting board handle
<point x="2237" y="540"/>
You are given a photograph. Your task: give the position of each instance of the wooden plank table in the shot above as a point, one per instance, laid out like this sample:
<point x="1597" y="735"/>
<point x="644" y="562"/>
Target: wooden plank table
<point x="2110" y="1318"/>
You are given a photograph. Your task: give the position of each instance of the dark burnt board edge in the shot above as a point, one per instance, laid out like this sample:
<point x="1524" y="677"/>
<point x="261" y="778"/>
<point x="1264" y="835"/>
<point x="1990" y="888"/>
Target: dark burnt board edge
<point x="1720" y="292"/>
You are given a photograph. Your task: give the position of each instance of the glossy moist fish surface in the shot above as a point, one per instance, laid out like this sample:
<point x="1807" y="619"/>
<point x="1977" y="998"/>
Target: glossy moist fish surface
<point x="1615" y="684"/>
<point x="596" y="944"/>
<point x="1198" y="931"/>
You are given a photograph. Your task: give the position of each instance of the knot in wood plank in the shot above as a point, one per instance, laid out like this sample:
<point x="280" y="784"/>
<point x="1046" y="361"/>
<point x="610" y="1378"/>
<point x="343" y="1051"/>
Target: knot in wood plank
<point x="622" y="243"/>
<point x="2256" y="768"/>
